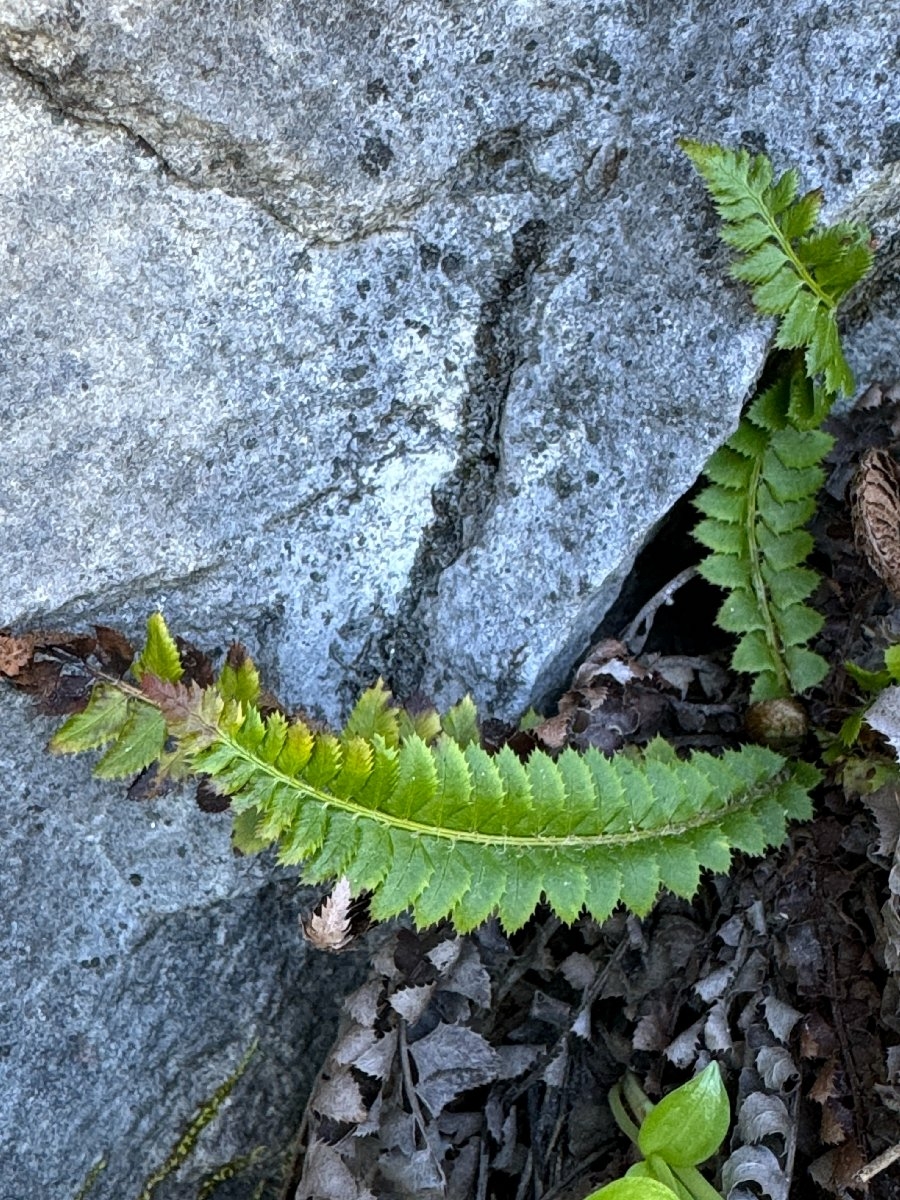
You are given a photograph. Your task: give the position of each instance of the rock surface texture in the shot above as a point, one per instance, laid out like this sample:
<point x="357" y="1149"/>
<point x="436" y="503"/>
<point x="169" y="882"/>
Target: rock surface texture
<point x="379" y="336"/>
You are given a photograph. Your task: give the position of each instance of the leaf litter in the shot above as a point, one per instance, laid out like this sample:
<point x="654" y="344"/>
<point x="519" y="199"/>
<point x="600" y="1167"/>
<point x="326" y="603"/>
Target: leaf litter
<point x="787" y="972"/>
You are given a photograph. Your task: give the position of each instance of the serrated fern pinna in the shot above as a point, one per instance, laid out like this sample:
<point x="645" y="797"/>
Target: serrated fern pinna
<point x="414" y="810"/>
<point x="763" y="482"/>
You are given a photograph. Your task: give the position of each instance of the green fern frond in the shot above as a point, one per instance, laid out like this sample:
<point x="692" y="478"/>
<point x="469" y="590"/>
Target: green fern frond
<point x="440" y="826"/>
<point x="763" y="492"/>
<point x="798" y="272"/>
<point x="763" y="482"/>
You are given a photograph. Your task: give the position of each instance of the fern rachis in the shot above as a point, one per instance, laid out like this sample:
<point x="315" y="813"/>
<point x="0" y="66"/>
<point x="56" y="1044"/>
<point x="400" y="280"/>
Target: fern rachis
<point x="415" y="811"/>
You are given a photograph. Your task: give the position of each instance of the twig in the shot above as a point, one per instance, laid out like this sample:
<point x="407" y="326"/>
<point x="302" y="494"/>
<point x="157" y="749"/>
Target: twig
<point x="635" y="636"/>
<point x="881" y="1163"/>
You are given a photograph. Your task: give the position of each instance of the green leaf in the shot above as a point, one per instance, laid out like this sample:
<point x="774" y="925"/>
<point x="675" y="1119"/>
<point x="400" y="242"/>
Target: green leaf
<point x="784" y="550"/>
<point x="801" y="217"/>
<point x="372" y="714"/>
<point x="724" y="538"/>
<point x="160" y="655"/>
<point x="297" y="749"/>
<point x="806" y="668"/>
<point x="721" y="503"/>
<point x="825" y="345"/>
<point x="337" y="850"/>
<point x="798" y="624"/>
<point x="640" y="878"/>
<point x="461" y="722"/>
<point x="106" y="713"/>
<point x="781" y="516"/>
<point x="564" y="882"/>
<point x="416" y="783"/>
<point x="634" y="1189"/>
<point x="243" y="833"/>
<point x="798" y="324"/>
<point x="783" y="193"/>
<point x="753" y="653"/>
<point x="603" y="890"/>
<point x="425" y="725"/>
<point x="139" y="743"/>
<point x="801" y="448"/>
<point x="789" y="483"/>
<point x="730" y="470"/>
<point x="839" y="275"/>
<point x="892" y="661"/>
<point x="522" y="889"/>
<point x="689" y="1124"/>
<point x="872" y="681"/>
<point x="748" y="235"/>
<point x="356" y="767"/>
<point x="409" y="871"/>
<point x="239" y="679"/>
<point x="446" y="887"/>
<point x="776" y="295"/>
<point x="486" y="868"/>
<point x="760" y="265"/>
<point x="727" y="570"/>
<point x="789" y="587"/>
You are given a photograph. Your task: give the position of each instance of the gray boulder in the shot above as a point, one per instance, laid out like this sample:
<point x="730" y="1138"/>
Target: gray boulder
<point x="380" y="337"/>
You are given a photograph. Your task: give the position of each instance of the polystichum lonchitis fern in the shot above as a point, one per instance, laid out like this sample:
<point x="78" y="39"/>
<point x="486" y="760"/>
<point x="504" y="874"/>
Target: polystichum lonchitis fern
<point x="762" y="494"/>
<point x="764" y="481"/>
<point x="415" y="811"/>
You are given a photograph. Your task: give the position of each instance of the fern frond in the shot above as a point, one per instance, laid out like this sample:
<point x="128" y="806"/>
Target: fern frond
<point x="798" y="272"/>
<point x="765" y="481"/>
<point x="439" y="825"/>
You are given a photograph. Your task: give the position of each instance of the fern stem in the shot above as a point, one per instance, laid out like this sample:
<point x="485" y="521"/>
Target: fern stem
<point x="773" y="639"/>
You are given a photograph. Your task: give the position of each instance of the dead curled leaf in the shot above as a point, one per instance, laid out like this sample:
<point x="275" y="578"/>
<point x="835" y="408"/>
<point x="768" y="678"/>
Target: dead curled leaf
<point x="875" y="508"/>
<point x="330" y="926"/>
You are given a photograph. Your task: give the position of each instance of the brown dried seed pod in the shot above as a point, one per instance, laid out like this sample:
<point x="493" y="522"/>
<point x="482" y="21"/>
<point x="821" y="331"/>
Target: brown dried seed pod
<point x="779" y="723"/>
<point x="875" y="509"/>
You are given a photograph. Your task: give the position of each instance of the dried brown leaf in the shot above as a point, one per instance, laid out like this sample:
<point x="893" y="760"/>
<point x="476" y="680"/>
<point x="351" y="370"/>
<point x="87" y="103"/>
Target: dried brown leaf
<point x="824" y="1086"/>
<point x="197" y="665"/>
<point x="209" y="798"/>
<point x="450" y="1060"/>
<point x="327" y="1177"/>
<point x="836" y="1170"/>
<point x="755" y="1164"/>
<point x="411" y="1002"/>
<point x="113" y="649"/>
<point x="875" y="508"/>
<point x="15" y="653"/>
<point x="884" y="804"/>
<point x="329" y="926"/>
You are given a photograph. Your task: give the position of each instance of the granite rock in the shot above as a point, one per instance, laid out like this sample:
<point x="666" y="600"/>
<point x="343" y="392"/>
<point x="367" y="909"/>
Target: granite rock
<point x="380" y="336"/>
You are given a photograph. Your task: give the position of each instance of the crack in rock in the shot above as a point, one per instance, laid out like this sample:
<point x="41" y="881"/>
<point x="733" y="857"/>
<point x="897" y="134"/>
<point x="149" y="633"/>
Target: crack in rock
<point x="463" y="502"/>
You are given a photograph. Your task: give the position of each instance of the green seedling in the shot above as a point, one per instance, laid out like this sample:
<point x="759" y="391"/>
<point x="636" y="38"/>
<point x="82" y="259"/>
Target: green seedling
<point x="674" y="1137"/>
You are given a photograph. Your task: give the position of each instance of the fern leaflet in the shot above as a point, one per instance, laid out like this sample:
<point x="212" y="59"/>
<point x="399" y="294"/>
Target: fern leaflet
<point x="423" y="817"/>
<point x="799" y="272"/>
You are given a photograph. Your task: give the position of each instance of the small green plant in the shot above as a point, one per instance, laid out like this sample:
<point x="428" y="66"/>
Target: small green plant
<point x="763" y="482"/>
<point x="414" y="811"/>
<point x="674" y="1137"/>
